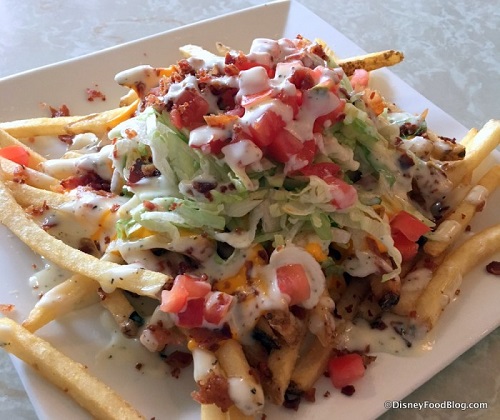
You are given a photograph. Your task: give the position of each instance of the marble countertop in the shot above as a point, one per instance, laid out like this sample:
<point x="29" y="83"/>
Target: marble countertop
<point x="452" y="56"/>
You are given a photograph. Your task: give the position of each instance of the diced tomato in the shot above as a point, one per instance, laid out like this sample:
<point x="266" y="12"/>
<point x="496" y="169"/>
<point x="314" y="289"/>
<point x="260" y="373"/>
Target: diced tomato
<point x="303" y="78"/>
<point x="406" y="230"/>
<point x="17" y="154"/>
<point x="409" y="226"/>
<point x="307" y="152"/>
<point x="292" y="281"/>
<point x="192" y="316"/>
<point x="265" y="129"/>
<point x="332" y="117"/>
<point x="323" y="170"/>
<point x="346" y="369"/>
<point x="184" y="288"/>
<point x="195" y="288"/>
<point x="238" y="110"/>
<point x="293" y="101"/>
<point x="255" y="98"/>
<point x="360" y="79"/>
<point x="188" y="110"/>
<point x="284" y="146"/>
<point x="344" y="194"/>
<point x="173" y="300"/>
<point x="217" y="306"/>
<point x="405" y="246"/>
<point x="175" y="118"/>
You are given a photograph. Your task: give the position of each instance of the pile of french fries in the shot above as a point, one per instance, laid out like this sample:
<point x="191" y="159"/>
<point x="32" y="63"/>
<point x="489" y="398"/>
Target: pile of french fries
<point x="23" y="188"/>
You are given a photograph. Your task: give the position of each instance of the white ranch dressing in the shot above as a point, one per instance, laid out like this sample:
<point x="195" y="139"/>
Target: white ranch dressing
<point x="268" y="296"/>
<point x="412" y="340"/>
<point x="48" y="277"/>
<point x="99" y="162"/>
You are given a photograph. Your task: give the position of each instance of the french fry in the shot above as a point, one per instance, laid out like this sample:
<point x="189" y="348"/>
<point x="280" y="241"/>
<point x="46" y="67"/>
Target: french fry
<point x="285" y="324"/>
<point x="98" y="123"/>
<point x="136" y="280"/>
<point x="468" y="137"/>
<point x="121" y="309"/>
<point x="129" y="98"/>
<point x="234" y="363"/>
<point x="27" y="195"/>
<point x="102" y="122"/>
<point x="6" y="139"/>
<point x="71" y="377"/>
<point x="321" y="322"/>
<point x="369" y="308"/>
<point x="456" y="222"/>
<point x="310" y="366"/>
<point x="212" y="412"/>
<point x="281" y="363"/>
<point x="448" y="276"/>
<point x="370" y="62"/>
<point x="478" y="148"/>
<point x="76" y="292"/>
<point x="414" y="283"/>
<point x="14" y="172"/>
<point x="347" y="307"/>
<point x="386" y="293"/>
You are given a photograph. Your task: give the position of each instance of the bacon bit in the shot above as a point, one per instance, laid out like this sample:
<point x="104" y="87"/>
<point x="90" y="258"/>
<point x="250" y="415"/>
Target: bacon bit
<point x="219" y="120"/>
<point x="130" y="133"/>
<point x="66" y="139"/>
<point x="178" y="360"/>
<point x="148" y="205"/>
<point x="63" y="111"/>
<point x="310" y="395"/>
<point x="114" y="208"/>
<point x="208" y="339"/>
<point x="348" y="390"/>
<point x="93" y="94"/>
<point x="37" y="210"/>
<point x="90" y="179"/>
<point x="102" y="294"/>
<point x="6" y="308"/>
<point x="20" y="174"/>
<point x="292" y="399"/>
<point x="493" y="268"/>
<point x="214" y="390"/>
<point x="141" y="169"/>
<point x="203" y="187"/>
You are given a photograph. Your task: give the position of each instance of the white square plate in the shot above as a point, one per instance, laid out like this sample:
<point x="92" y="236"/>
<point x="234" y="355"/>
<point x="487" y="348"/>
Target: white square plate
<point x="84" y="334"/>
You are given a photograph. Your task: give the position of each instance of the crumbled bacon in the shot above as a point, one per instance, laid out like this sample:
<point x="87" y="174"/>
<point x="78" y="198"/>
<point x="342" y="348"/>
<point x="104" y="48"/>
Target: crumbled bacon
<point x="148" y="205"/>
<point x="348" y="390"/>
<point x="63" y="111"/>
<point x="178" y="360"/>
<point x="20" y="174"/>
<point x="90" y="179"/>
<point x="214" y="390"/>
<point x="37" y="210"/>
<point x="93" y="94"/>
<point x="141" y="169"/>
<point x="208" y="339"/>
<point x="6" y="308"/>
<point x="493" y="268"/>
<point x="66" y="139"/>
